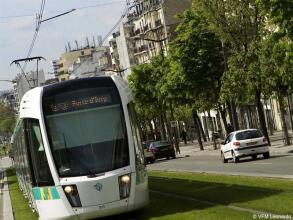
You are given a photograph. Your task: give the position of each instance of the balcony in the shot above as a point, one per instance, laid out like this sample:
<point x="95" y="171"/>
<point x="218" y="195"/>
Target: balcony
<point x="158" y="23"/>
<point x="146" y="28"/>
<point x="141" y="49"/>
<point x="137" y="32"/>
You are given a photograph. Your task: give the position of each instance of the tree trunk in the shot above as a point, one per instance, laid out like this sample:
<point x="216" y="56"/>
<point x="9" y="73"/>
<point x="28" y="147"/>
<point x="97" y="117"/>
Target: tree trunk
<point x="206" y="130"/>
<point x="273" y="115"/>
<point x="152" y="130"/>
<point x="176" y="136"/>
<point x="213" y="129"/>
<point x="261" y="114"/>
<point x="290" y="111"/>
<point x="201" y="128"/>
<point x="269" y="118"/>
<point x="284" y="125"/>
<point x="156" y="130"/>
<point x="223" y="116"/>
<point x="167" y="126"/>
<point x="163" y="131"/>
<point x="234" y="116"/>
<point x="197" y="129"/>
<point x="230" y="113"/>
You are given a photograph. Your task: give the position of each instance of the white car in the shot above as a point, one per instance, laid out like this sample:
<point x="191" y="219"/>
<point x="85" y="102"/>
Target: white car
<point x="243" y="143"/>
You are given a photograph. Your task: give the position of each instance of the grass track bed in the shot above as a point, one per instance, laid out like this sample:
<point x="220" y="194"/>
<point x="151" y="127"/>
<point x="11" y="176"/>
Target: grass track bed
<point x="264" y="194"/>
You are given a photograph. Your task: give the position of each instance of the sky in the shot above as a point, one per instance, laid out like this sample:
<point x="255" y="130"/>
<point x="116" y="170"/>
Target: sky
<point x="18" y="23"/>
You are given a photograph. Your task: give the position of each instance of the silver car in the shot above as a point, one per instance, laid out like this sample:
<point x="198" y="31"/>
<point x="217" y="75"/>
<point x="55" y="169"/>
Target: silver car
<point x="243" y="143"/>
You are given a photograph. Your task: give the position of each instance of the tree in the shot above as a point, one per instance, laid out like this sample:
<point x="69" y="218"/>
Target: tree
<point x="279" y="14"/>
<point x="145" y="82"/>
<point x="239" y="24"/>
<point x="277" y="69"/>
<point x="196" y="65"/>
<point x="7" y="121"/>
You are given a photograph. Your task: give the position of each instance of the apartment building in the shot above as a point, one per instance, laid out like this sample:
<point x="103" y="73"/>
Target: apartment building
<point x="154" y="23"/>
<point x="66" y="60"/>
<point x="23" y="83"/>
<point x="122" y="50"/>
<point x="91" y="65"/>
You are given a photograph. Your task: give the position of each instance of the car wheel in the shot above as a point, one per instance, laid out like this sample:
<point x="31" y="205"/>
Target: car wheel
<point x="234" y="158"/>
<point x="266" y="155"/>
<point x="168" y="158"/>
<point x="224" y="160"/>
<point x="152" y="160"/>
<point x="174" y="156"/>
<point x="254" y="157"/>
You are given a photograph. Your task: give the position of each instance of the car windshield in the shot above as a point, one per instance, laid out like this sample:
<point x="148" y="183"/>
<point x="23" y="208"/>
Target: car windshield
<point x="88" y="138"/>
<point x="251" y="134"/>
<point x="161" y="143"/>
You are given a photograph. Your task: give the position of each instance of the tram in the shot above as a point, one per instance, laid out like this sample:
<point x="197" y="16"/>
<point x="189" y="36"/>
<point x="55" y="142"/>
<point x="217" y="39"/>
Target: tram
<point x="77" y="150"/>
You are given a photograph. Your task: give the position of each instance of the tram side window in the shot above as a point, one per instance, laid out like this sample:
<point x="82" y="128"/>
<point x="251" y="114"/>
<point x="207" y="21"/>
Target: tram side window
<point x="41" y="169"/>
<point x="136" y="135"/>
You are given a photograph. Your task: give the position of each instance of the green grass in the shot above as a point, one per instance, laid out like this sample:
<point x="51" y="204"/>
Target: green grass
<point x="20" y="207"/>
<point x="170" y="208"/>
<point x="8" y="148"/>
<point x="263" y="194"/>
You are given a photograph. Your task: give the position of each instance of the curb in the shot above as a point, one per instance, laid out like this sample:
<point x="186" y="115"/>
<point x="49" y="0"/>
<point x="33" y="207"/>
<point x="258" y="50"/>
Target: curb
<point x="7" y="208"/>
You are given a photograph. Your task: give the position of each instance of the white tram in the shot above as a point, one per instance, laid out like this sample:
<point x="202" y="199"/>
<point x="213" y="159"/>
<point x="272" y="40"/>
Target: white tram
<point x="78" y="152"/>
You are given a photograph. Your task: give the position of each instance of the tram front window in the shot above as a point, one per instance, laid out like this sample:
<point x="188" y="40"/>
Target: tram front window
<point x="88" y="136"/>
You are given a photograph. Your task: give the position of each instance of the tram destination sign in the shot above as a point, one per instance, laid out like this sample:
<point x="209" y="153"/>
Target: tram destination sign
<point x="56" y="105"/>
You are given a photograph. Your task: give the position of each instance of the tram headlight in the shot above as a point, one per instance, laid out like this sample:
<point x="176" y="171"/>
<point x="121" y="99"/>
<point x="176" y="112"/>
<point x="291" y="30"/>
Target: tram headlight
<point x="68" y="189"/>
<point x="124" y="186"/>
<point x="72" y="195"/>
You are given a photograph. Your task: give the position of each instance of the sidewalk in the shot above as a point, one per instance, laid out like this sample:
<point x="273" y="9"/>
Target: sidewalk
<point x="192" y="149"/>
<point x="6" y="212"/>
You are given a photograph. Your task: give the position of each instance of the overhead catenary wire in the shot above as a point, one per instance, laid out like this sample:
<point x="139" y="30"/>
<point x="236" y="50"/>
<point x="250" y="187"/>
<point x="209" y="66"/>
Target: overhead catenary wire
<point x="54" y="12"/>
<point x="38" y="25"/>
<point x="116" y="25"/>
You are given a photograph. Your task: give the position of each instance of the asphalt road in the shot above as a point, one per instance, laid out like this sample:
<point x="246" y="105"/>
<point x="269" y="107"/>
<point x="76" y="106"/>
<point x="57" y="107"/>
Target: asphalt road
<point x="277" y="166"/>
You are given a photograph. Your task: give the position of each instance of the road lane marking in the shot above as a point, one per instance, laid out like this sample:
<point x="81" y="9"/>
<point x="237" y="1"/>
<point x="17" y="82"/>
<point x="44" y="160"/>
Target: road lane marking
<point x="262" y="163"/>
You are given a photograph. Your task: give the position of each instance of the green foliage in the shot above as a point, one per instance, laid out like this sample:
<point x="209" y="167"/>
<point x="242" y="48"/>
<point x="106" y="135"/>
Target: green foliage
<point x="223" y="51"/>
<point x="7" y="120"/>
<point x="236" y="22"/>
<point x="279" y="14"/>
<point x="277" y="64"/>
<point x="146" y="82"/>
<point x="183" y="112"/>
<point x="196" y="63"/>
<point x="20" y="206"/>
